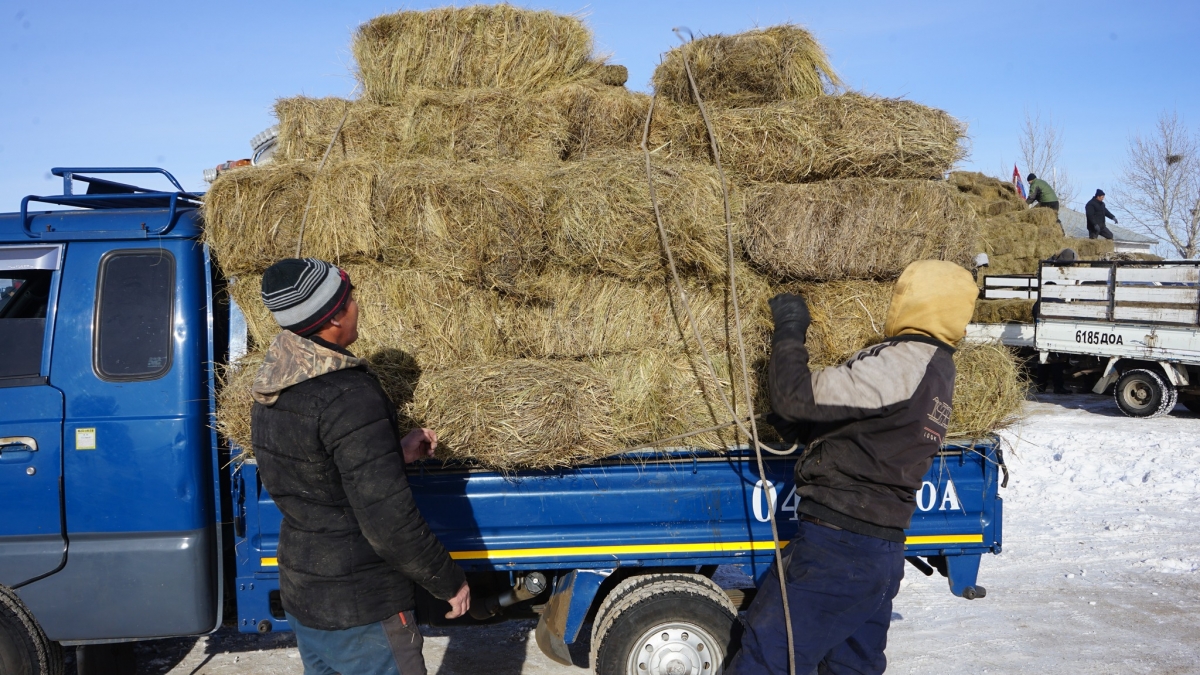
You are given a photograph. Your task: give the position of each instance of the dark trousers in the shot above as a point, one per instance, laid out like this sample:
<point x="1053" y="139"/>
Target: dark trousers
<point x="840" y="587"/>
<point x="1103" y="231"/>
<point x="390" y="647"/>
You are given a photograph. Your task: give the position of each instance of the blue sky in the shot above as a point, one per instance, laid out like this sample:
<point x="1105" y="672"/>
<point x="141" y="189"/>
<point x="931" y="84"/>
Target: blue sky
<point x="186" y="85"/>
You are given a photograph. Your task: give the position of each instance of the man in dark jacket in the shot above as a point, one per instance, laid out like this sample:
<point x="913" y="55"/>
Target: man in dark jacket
<point x="329" y="451"/>
<point x="871" y="426"/>
<point x="1096" y="212"/>
<point x="1042" y="194"/>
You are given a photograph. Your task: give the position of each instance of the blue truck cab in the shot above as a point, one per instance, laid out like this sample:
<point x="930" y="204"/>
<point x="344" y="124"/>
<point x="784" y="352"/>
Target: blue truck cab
<point x="125" y="517"/>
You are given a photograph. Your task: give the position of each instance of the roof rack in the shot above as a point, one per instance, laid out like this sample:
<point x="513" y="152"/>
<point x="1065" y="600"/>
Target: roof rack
<point x="107" y="194"/>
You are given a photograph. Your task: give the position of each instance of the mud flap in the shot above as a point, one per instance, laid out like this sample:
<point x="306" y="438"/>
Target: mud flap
<point x="565" y="612"/>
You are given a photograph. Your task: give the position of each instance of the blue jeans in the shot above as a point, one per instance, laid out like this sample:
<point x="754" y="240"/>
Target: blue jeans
<point x="390" y="647"/>
<point x="840" y="587"/>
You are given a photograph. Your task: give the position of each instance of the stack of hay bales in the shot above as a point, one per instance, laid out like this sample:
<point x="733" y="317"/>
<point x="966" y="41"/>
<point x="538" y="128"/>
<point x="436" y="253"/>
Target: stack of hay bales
<point x="1016" y="238"/>
<point x="488" y="197"/>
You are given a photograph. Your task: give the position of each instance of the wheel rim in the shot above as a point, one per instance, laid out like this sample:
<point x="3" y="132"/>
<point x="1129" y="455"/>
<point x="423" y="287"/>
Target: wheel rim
<point x="675" y="649"/>
<point x="1137" y="394"/>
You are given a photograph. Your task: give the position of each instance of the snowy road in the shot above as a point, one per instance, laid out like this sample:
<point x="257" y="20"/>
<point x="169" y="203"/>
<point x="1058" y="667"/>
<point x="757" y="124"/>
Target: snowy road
<point x="1100" y="571"/>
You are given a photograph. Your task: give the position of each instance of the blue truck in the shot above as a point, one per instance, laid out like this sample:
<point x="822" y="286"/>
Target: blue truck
<point x="126" y="517"/>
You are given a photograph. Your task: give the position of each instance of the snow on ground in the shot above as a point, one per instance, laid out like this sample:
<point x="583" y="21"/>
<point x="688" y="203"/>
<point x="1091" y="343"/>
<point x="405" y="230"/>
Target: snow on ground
<point x="1100" y="571"/>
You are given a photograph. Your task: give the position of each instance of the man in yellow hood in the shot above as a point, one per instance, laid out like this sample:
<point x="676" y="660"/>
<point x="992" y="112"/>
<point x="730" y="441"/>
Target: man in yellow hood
<point x="871" y="427"/>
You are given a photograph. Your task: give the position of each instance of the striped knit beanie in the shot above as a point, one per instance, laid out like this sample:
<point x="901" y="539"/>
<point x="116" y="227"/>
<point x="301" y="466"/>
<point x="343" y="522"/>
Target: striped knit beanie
<point x="303" y="295"/>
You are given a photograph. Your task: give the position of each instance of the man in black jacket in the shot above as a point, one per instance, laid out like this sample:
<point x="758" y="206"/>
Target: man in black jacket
<point x="1096" y="212"/>
<point x="871" y="426"/>
<point x="329" y="451"/>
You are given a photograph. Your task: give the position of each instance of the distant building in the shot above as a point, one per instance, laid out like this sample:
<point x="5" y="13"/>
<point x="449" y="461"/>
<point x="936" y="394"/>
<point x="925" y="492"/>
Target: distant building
<point x="1124" y="241"/>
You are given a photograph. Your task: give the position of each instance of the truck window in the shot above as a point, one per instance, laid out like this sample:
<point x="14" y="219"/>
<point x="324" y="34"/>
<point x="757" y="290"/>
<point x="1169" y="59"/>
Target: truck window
<point x="134" y="306"/>
<point x="24" y="296"/>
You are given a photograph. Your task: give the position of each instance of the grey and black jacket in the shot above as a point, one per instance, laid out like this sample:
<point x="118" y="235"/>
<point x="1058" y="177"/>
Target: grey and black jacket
<point x="872" y="426"/>
<point x="352" y="541"/>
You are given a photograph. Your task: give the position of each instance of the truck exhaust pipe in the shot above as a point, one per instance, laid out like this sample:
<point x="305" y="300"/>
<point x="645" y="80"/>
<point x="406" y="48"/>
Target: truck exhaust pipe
<point x="527" y="587"/>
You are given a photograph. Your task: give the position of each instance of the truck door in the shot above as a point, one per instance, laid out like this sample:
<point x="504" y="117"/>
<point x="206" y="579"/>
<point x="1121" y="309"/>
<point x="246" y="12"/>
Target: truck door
<point x="31" y="416"/>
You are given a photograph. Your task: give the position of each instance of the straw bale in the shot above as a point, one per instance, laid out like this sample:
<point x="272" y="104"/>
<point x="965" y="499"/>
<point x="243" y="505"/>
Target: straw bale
<point x="435" y="320"/>
<point x="989" y="389"/>
<point x="846" y="136"/>
<point x="234" y="399"/>
<point x="855" y="228"/>
<point x="601" y="218"/>
<point x="521" y="413"/>
<point x="477" y="223"/>
<point x="1003" y="311"/>
<point x="471" y="124"/>
<point x="567" y="315"/>
<point x="759" y="66"/>
<point x="1016" y="237"/>
<point x="596" y="118"/>
<point x="468" y="47"/>
<point x="613" y="75"/>
<point x="657" y="395"/>
<point x="846" y="316"/>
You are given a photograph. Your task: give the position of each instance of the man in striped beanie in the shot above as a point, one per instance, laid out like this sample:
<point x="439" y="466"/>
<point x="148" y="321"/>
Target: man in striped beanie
<point x="329" y="451"/>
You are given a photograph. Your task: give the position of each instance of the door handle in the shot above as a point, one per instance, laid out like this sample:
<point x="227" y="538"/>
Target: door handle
<point x="27" y="441"/>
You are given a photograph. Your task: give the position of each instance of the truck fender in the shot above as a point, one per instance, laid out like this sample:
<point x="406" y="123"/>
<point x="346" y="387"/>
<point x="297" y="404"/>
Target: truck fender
<point x="565" y="612"/>
<point x="1176" y="374"/>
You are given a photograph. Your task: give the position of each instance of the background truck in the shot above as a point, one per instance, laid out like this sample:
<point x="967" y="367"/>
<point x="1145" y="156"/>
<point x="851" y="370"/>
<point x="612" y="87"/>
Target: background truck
<point x="125" y="517"/>
<point x="1134" y="326"/>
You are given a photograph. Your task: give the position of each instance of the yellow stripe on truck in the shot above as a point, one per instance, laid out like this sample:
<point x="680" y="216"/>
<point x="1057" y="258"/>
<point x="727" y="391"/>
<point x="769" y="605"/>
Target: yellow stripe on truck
<point x="706" y="547"/>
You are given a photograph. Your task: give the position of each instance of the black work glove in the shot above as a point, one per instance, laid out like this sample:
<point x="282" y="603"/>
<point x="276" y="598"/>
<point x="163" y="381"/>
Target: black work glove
<point x="1114" y="221"/>
<point x="790" y="313"/>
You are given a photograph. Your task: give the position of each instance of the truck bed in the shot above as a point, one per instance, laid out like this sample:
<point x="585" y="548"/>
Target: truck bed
<point x="675" y="509"/>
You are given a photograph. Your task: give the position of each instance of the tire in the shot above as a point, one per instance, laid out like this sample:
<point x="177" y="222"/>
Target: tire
<point x="1144" y="393"/>
<point x="24" y="647"/>
<point x="660" y="624"/>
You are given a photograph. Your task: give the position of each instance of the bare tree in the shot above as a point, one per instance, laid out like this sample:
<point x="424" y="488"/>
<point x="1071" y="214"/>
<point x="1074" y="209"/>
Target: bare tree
<point x="1160" y="185"/>
<point x="1041" y="153"/>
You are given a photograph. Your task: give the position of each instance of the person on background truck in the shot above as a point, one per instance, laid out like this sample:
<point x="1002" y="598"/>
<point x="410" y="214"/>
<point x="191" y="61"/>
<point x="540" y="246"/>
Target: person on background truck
<point x="328" y="447"/>
<point x="1041" y="192"/>
<point x="1096" y="212"/>
<point x="871" y="426"/>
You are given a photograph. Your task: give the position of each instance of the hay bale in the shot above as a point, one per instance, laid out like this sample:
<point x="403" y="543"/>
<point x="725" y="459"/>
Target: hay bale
<point x="846" y="136"/>
<point x="414" y="314"/>
<point x="613" y="75"/>
<point x="596" y="118"/>
<point x="480" y="46"/>
<point x="989" y="388"/>
<point x="1015" y="237"/>
<point x="477" y="223"/>
<point x="846" y="316"/>
<point x="1003" y="311"/>
<point x="759" y="66"/>
<point x="600" y="217"/>
<point x="471" y="124"/>
<point x="521" y="413"/>
<point x="855" y="228"/>
<point x="234" y="399"/>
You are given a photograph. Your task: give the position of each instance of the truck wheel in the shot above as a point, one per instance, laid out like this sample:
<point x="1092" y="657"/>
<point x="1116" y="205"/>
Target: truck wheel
<point x="1143" y="393"/>
<point x="663" y="624"/>
<point x="24" y="648"/>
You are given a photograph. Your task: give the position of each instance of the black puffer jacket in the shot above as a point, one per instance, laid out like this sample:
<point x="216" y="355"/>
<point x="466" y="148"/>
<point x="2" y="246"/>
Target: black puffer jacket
<point x="352" y="541"/>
